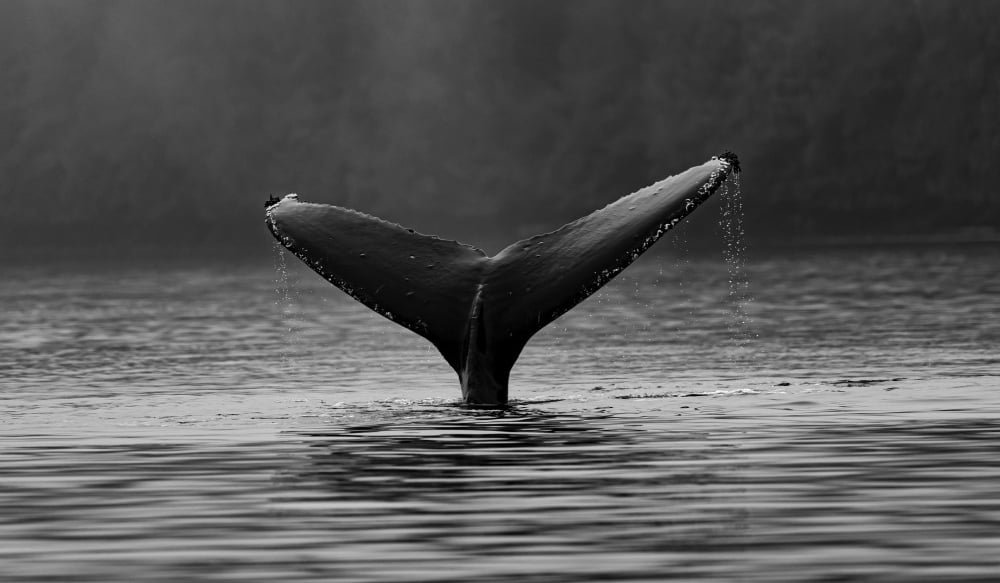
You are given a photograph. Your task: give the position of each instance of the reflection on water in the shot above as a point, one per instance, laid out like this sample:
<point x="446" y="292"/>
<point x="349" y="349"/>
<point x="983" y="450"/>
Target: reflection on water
<point x="641" y="498"/>
<point x="161" y="426"/>
<point x="539" y="495"/>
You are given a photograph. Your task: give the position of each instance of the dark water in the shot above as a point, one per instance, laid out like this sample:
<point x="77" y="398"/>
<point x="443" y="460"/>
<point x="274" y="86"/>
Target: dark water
<point x="176" y="424"/>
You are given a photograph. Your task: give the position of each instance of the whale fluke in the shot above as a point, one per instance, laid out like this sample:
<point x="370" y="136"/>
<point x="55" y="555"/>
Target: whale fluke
<point x="480" y="311"/>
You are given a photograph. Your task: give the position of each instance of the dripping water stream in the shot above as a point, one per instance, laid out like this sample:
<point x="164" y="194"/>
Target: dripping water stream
<point x="735" y="255"/>
<point x="284" y="301"/>
<point x="680" y="270"/>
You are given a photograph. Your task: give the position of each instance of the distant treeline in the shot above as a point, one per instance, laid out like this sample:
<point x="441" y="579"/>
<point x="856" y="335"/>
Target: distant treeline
<point x="170" y="121"/>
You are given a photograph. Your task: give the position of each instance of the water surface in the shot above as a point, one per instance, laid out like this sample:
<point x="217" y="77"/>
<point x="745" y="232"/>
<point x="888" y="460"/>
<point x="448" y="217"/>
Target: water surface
<point x="193" y="423"/>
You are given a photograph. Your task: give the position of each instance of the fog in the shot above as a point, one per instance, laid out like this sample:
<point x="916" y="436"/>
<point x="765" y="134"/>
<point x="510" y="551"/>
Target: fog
<point x="162" y="126"/>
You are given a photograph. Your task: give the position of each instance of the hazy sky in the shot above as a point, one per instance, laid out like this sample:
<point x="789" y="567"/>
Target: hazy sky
<point x="166" y="123"/>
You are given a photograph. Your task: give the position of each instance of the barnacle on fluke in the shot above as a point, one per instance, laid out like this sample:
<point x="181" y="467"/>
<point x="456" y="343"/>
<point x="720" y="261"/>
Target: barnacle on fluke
<point x="480" y="311"/>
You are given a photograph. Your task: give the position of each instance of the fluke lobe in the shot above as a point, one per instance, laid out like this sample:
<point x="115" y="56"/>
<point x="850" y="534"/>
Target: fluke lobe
<point x="480" y="311"/>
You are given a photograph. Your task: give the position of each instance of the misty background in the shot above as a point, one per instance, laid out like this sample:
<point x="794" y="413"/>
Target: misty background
<point x="160" y="127"/>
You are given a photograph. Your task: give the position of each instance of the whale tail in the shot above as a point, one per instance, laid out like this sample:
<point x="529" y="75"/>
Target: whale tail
<point x="480" y="311"/>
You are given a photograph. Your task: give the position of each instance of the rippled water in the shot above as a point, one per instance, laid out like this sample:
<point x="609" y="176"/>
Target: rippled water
<point x="195" y="424"/>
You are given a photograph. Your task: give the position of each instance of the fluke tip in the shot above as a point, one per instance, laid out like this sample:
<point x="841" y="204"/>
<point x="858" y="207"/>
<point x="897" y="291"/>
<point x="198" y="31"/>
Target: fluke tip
<point x="729" y="157"/>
